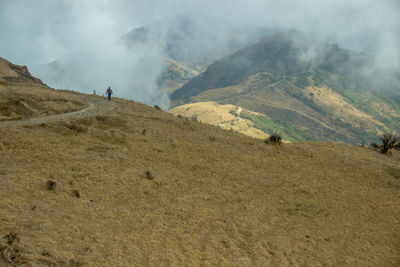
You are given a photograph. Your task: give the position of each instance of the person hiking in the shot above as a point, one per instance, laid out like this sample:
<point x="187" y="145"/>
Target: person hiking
<point x="109" y="92"/>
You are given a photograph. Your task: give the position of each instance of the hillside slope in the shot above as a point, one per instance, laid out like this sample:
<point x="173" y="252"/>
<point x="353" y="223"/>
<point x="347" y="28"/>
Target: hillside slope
<point x="141" y="187"/>
<point x="313" y="91"/>
<point x="224" y="116"/>
<point x="174" y="75"/>
<point x="23" y="96"/>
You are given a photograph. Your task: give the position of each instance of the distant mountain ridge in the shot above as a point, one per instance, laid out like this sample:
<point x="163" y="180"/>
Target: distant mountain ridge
<point x="190" y="44"/>
<point x="172" y="51"/>
<point x="282" y="54"/>
<point x="308" y="89"/>
<point x="191" y="41"/>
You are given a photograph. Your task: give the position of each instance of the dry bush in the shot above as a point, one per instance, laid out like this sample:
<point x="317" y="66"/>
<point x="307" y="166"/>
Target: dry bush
<point x="10" y="250"/>
<point x="149" y="175"/>
<point x="388" y="142"/>
<point x="76" y="193"/>
<point x="274" y="139"/>
<point x="51" y="185"/>
<point x="75" y="127"/>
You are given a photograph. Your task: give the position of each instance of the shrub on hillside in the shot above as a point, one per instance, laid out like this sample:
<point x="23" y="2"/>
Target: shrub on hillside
<point x="148" y="175"/>
<point x="51" y="185"/>
<point x="274" y="139"/>
<point x="374" y="145"/>
<point x="389" y="140"/>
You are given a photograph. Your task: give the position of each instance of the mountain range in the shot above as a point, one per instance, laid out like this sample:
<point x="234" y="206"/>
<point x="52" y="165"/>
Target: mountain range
<point x="170" y="52"/>
<point x="306" y="90"/>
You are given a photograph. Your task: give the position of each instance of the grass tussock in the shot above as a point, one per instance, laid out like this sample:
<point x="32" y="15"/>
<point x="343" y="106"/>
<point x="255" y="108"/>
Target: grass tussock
<point x="148" y="175"/>
<point x="51" y="185"/>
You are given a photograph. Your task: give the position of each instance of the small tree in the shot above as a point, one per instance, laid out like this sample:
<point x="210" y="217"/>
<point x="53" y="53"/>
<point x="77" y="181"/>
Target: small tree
<point x="388" y="142"/>
<point x="274" y="139"/>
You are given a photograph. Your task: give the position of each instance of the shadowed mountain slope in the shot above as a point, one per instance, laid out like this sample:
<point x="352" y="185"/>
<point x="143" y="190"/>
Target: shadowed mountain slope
<point x="190" y="40"/>
<point x="190" y="43"/>
<point x="285" y="54"/>
<point x="165" y="54"/>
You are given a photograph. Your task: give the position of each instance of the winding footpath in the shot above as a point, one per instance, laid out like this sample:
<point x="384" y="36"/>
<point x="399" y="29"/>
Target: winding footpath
<point x="97" y="106"/>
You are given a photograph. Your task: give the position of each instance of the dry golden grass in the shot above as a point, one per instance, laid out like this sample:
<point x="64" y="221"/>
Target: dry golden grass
<point x="219" y="115"/>
<point x="157" y="190"/>
<point x="23" y="101"/>
<point x="123" y="184"/>
<point x="336" y="105"/>
<point x="6" y="71"/>
<point x="24" y="96"/>
<point x="175" y="75"/>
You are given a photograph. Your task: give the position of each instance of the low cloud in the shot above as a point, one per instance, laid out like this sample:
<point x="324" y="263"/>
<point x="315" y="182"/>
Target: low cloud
<point x="84" y="36"/>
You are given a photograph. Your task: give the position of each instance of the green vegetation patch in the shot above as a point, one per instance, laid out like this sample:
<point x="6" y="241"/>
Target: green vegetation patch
<point x="269" y="126"/>
<point x="354" y="93"/>
<point x="302" y="82"/>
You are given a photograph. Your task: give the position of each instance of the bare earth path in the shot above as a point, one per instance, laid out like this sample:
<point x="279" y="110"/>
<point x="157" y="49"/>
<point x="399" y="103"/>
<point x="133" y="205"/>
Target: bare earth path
<point x="97" y="106"/>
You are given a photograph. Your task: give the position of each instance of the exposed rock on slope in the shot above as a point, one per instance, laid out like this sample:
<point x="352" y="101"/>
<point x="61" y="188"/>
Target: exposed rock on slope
<point x="10" y="73"/>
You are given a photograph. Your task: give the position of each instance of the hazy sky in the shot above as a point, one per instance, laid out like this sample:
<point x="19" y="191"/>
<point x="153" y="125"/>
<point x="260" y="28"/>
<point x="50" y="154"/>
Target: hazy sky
<point x="35" y="32"/>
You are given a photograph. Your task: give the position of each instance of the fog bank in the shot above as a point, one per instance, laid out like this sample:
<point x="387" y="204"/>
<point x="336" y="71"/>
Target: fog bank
<point x="84" y="36"/>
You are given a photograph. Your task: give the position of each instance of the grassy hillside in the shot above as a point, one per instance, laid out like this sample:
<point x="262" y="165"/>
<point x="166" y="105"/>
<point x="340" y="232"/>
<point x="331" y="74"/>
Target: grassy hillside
<point x="228" y="117"/>
<point x="23" y="96"/>
<point x="324" y="97"/>
<point x="140" y="187"/>
<point x="311" y="113"/>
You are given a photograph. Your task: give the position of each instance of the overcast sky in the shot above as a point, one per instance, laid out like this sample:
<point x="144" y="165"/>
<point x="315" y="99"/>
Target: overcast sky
<point x="38" y="31"/>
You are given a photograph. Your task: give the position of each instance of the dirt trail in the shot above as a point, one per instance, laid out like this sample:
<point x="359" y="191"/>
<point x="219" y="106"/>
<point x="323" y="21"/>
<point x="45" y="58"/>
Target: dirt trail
<point x="97" y="106"/>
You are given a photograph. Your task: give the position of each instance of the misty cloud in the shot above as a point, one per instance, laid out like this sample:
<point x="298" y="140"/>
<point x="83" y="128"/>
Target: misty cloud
<point x="84" y="36"/>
